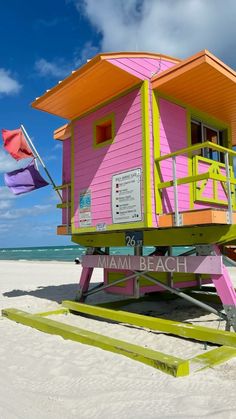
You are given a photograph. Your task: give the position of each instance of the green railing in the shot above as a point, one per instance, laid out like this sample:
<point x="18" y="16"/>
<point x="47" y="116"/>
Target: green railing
<point x="66" y="204"/>
<point x="189" y="151"/>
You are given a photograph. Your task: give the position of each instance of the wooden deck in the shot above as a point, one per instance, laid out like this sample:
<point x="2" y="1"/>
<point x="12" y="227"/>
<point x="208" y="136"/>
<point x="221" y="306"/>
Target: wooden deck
<point x="197" y="217"/>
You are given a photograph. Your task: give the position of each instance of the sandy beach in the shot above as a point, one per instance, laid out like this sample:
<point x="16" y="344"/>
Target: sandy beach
<point x="45" y="377"/>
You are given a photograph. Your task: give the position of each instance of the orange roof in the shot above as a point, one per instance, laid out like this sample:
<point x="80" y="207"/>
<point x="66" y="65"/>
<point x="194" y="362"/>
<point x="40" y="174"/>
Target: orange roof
<point x="91" y="85"/>
<point x="62" y="133"/>
<point x="203" y="82"/>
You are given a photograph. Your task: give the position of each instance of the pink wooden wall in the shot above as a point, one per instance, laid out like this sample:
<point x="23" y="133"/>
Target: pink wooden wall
<point x="66" y="174"/>
<point x="173" y="136"/>
<point x="94" y="167"/>
<point x="66" y="153"/>
<point x="144" y="68"/>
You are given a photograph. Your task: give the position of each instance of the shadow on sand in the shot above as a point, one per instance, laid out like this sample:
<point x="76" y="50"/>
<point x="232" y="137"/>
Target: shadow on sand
<point x="53" y="292"/>
<point x="152" y="305"/>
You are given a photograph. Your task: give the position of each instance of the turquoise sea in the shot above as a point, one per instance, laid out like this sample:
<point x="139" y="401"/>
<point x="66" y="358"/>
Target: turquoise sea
<point x="61" y="253"/>
<point x="69" y="253"/>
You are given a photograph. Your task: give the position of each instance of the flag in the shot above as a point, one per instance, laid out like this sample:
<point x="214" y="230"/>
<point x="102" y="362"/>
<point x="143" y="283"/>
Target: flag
<point x="24" y="180"/>
<point x="16" y="144"/>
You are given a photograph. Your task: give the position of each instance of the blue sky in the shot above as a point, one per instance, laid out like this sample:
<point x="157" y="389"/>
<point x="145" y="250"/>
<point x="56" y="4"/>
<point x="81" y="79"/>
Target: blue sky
<point x="43" y="41"/>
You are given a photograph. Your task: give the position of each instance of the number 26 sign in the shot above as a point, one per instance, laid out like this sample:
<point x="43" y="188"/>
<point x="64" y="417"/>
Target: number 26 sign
<point x="134" y="238"/>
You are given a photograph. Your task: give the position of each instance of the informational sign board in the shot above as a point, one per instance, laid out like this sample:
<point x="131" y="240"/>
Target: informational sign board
<point x="85" y="217"/>
<point x="126" y="197"/>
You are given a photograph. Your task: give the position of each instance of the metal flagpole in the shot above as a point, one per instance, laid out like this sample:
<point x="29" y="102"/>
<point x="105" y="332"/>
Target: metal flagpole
<point x="36" y="154"/>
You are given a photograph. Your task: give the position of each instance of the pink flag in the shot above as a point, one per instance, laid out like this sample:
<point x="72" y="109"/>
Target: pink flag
<point x="16" y="144"/>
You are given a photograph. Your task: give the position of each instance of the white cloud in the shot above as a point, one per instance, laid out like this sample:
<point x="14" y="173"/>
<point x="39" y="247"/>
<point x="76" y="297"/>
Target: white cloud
<point x="58" y="146"/>
<point x="57" y="68"/>
<point x="4" y="228"/>
<point x="7" y="163"/>
<point x="35" y="210"/>
<point x="8" y="85"/>
<point x="6" y="201"/>
<point x="176" y="27"/>
<point x="6" y="194"/>
<point x="179" y="28"/>
<point x="88" y="51"/>
<point x="5" y="205"/>
<point x="43" y="229"/>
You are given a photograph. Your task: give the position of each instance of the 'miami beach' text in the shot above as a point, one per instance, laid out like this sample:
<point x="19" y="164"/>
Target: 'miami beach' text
<point x="196" y="264"/>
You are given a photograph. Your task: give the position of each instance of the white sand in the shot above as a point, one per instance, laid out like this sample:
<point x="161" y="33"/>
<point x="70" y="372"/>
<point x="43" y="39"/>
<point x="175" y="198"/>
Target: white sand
<point x="45" y="377"/>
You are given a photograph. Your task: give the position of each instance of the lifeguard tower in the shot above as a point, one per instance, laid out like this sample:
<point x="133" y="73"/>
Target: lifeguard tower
<point x="148" y="161"/>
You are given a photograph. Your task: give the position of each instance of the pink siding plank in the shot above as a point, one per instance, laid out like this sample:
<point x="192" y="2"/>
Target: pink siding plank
<point x="125" y="64"/>
<point x="173" y="137"/>
<point x="128" y="138"/>
<point x="124" y="150"/>
<point x="107" y="165"/>
<point x="142" y="67"/>
<point x="94" y="167"/>
<point x="66" y="174"/>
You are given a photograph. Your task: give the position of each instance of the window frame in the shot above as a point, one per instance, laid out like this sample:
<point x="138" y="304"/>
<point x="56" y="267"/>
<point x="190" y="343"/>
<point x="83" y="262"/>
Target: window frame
<point x="207" y="153"/>
<point x="96" y="123"/>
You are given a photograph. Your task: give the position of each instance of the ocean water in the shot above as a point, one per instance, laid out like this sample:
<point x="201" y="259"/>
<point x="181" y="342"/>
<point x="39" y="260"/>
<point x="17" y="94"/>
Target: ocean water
<point x="69" y="253"/>
<point x="63" y="253"/>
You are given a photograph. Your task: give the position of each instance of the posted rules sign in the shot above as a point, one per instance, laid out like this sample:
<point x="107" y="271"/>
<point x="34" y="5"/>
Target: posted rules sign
<point x="126" y="197"/>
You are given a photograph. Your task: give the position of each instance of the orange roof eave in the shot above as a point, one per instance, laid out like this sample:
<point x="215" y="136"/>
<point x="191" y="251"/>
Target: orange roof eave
<point x="202" y="82"/>
<point x="62" y="133"/>
<point x="92" y="63"/>
<point x="95" y="73"/>
<point x="184" y="66"/>
<point x="84" y="90"/>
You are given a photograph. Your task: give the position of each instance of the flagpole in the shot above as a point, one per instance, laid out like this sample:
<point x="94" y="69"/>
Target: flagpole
<point x="36" y="154"/>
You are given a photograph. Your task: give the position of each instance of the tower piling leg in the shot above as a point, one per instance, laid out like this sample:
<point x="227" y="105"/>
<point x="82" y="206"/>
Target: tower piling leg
<point x="84" y="283"/>
<point x="226" y="292"/>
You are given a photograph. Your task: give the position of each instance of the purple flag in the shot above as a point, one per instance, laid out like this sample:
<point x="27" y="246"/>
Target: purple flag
<point x="24" y="180"/>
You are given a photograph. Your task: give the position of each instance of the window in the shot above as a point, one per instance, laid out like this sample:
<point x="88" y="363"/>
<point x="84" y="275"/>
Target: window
<point x="201" y="133"/>
<point x="103" y="131"/>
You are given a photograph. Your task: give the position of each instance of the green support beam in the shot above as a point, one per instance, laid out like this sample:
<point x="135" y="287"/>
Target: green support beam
<point x="172" y="236"/>
<point x="169" y="364"/>
<point x="212" y="358"/>
<point x="52" y="312"/>
<point x="172" y="365"/>
<point x="184" y="330"/>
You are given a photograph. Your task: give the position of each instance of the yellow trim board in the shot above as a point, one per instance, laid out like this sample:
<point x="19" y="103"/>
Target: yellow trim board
<point x="156" y="152"/>
<point x="72" y="176"/>
<point x="146" y="154"/>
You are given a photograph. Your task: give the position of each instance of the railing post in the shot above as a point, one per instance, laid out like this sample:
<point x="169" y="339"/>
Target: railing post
<point x="175" y="185"/>
<point x="67" y="208"/>
<point x="228" y="184"/>
<point x="138" y="251"/>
